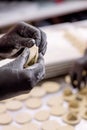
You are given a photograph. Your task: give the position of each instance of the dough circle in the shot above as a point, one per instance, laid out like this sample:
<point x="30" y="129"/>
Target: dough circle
<point x="2" y="108"/>
<point x="42" y="115"/>
<point x="30" y="126"/>
<point x="5" y="118"/>
<point x="10" y="127"/>
<point x="14" y="105"/>
<point x="66" y="127"/>
<point x="37" y="92"/>
<point x="33" y="103"/>
<point x="51" y="87"/>
<point x="58" y="111"/>
<point x="22" y="97"/>
<point x="55" y="101"/>
<point x="23" y="118"/>
<point x="50" y="125"/>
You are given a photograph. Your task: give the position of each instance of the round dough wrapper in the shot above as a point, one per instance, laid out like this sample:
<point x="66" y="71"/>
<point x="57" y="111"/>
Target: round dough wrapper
<point x="30" y="126"/>
<point x="23" y="118"/>
<point x="38" y="92"/>
<point x="5" y="119"/>
<point x="55" y="101"/>
<point x="10" y="127"/>
<point x="73" y="121"/>
<point x="22" y="97"/>
<point x="42" y="115"/>
<point x="58" y="111"/>
<point x="32" y="57"/>
<point x="66" y="127"/>
<point x="51" y="87"/>
<point x="14" y="105"/>
<point x="2" y="108"/>
<point x="33" y="103"/>
<point x="50" y="125"/>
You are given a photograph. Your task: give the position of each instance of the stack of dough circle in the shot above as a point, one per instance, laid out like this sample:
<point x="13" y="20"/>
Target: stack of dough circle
<point x="51" y="87"/>
<point x="58" y="110"/>
<point x="42" y="115"/>
<point x="5" y="118"/>
<point x="50" y="125"/>
<point x="23" y="118"/>
<point x="37" y="92"/>
<point x="33" y="103"/>
<point x="14" y="105"/>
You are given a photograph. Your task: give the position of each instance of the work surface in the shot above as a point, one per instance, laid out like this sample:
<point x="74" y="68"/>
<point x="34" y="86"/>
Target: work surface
<point x="31" y="110"/>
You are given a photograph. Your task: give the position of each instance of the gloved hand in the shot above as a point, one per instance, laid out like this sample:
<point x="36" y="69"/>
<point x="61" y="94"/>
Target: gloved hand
<point x="78" y="72"/>
<point x="20" y="36"/>
<point x="15" y="79"/>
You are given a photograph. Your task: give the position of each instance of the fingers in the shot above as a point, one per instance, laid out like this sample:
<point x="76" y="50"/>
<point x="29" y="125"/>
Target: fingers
<point x="43" y="44"/>
<point x="28" y="31"/>
<point x="20" y="60"/>
<point x="36" y="71"/>
<point x="25" y="42"/>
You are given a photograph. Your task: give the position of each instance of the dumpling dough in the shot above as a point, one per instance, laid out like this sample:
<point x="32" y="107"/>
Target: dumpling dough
<point x="51" y="87"/>
<point x="42" y="115"/>
<point x="32" y="57"/>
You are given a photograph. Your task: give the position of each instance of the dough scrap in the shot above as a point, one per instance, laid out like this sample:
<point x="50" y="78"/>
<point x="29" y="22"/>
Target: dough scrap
<point x="58" y="111"/>
<point x="14" y="105"/>
<point x="42" y="115"/>
<point x="50" y="125"/>
<point x="51" y="87"/>
<point x="32" y="57"/>
<point x="33" y="103"/>
<point x="5" y="119"/>
<point x="37" y="92"/>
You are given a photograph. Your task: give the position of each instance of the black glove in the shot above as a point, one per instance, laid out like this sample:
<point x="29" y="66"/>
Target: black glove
<point x="20" y="36"/>
<point x="78" y="72"/>
<point x="15" y="79"/>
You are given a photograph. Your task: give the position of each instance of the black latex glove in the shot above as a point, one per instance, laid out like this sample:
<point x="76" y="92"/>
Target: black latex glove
<point x="15" y="80"/>
<point x="77" y="72"/>
<point x="20" y="36"/>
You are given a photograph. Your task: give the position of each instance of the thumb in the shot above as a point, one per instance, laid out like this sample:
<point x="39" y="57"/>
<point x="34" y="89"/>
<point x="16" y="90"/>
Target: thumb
<point x="21" y="59"/>
<point x="26" y="42"/>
